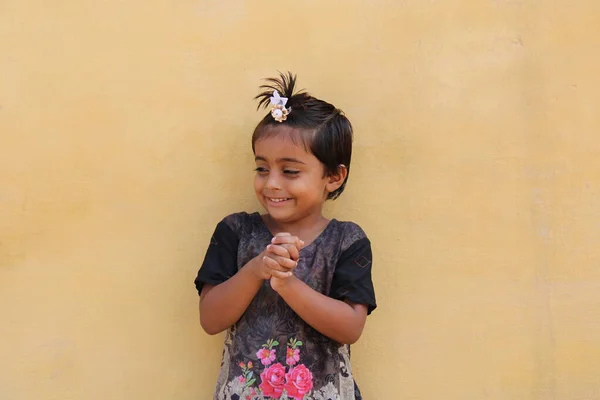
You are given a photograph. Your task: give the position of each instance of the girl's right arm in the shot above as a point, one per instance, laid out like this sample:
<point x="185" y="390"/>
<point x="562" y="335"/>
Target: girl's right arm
<point x="222" y="305"/>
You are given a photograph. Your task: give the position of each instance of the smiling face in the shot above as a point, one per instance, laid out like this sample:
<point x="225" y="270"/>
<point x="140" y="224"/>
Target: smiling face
<point x="290" y="182"/>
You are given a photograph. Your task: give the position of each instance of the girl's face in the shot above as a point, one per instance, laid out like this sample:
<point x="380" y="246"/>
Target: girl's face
<point x="290" y="182"/>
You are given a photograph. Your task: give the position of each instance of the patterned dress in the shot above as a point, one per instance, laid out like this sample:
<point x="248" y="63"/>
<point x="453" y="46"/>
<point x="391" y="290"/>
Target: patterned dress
<point x="271" y="353"/>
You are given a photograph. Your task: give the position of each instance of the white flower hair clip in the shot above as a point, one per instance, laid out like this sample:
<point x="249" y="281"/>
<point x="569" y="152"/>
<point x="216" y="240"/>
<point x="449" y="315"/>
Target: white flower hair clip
<point x="278" y="111"/>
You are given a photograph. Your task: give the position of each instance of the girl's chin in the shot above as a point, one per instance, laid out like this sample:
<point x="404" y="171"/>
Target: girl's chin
<point x="280" y="215"/>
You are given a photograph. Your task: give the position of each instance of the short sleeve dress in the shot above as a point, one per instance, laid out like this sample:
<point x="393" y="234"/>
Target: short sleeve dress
<point x="271" y="353"/>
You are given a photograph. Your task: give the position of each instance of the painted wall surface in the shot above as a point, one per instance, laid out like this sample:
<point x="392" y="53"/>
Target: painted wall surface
<point x="124" y="139"/>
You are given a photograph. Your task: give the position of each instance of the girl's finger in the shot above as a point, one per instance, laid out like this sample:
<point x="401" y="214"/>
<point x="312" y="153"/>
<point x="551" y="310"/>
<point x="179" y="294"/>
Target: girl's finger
<point x="275" y="265"/>
<point x="283" y="264"/>
<point x="284" y="250"/>
<point x="294" y="240"/>
<point x="292" y="250"/>
<point x="278" y="250"/>
<point x="275" y="269"/>
<point x="281" y="275"/>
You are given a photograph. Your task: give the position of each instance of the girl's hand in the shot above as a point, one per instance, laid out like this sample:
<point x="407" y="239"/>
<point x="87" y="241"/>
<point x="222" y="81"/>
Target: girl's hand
<point x="278" y="259"/>
<point x="291" y="243"/>
<point x="265" y="266"/>
<point x="278" y="284"/>
<point x="287" y="247"/>
<point x="285" y="250"/>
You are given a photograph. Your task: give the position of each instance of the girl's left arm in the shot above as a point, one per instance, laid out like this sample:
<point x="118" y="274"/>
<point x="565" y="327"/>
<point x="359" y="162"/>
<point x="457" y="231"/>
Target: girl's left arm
<point x="336" y="319"/>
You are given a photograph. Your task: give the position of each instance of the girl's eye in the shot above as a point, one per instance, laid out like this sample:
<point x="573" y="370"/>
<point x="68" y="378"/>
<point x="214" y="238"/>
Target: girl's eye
<point x="290" y="172"/>
<point x="261" y="170"/>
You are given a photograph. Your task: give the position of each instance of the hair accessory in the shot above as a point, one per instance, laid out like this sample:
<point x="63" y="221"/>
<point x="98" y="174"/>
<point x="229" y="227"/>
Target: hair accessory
<point x="278" y="111"/>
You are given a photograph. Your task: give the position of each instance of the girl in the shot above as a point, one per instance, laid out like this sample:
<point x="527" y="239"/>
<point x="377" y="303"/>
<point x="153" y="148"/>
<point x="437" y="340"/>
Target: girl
<point x="292" y="288"/>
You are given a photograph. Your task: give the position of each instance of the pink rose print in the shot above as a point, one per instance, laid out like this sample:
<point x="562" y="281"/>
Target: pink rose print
<point x="273" y="380"/>
<point x="242" y="379"/>
<point x="266" y="356"/>
<point x="292" y="356"/>
<point x="299" y="382"/>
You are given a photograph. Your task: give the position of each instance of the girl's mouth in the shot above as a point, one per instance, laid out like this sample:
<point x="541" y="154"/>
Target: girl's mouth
<point x="278" y="200"/>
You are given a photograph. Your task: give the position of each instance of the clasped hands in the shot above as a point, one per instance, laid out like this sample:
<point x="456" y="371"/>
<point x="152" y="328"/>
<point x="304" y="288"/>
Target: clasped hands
<point x="279" y="259"/>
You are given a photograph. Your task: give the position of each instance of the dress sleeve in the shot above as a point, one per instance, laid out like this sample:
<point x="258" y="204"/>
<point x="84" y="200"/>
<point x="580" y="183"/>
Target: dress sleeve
<point x="352" y="277"/>
<point x="220" y="262"/>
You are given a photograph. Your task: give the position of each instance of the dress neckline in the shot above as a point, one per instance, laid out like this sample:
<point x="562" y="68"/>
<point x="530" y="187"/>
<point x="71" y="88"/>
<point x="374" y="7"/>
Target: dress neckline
<point x="315" y="242"/>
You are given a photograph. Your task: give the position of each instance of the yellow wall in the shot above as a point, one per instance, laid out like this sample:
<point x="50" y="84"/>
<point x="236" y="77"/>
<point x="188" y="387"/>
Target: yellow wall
<point x="125" y="128"/>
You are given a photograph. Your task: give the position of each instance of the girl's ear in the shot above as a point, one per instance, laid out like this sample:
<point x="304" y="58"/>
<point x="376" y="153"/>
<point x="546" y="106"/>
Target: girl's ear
<point x="335" y="180"/>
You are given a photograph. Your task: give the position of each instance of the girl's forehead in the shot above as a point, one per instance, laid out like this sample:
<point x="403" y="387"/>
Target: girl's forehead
<point x="281" y="144"/>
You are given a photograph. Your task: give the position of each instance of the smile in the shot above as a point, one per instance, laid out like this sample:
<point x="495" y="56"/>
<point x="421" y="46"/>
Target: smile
<point x="278" y="200"/>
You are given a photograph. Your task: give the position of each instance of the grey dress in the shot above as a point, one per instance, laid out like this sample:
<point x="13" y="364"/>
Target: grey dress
<point x="271" y="353"/>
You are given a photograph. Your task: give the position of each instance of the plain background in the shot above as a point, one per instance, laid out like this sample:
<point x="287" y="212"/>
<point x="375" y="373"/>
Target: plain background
<point x="125" y="137"/>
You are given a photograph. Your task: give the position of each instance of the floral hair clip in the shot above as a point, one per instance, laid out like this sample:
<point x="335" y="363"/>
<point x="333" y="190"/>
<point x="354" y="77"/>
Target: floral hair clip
<point x="278" y="111"/>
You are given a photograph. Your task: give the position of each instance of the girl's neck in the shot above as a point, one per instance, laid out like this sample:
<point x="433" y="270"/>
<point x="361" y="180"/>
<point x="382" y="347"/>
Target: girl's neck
<point x="307" y="228"/>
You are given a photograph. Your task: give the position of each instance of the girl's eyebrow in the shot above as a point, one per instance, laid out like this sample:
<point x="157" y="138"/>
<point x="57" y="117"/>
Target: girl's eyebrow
<point x="288" y="159"/>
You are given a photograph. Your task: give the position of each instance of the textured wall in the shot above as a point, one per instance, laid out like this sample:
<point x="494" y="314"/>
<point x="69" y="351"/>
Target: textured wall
<point x="124" y="138"/>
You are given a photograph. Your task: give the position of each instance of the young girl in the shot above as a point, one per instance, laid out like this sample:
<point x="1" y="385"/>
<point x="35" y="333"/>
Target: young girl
<point x="292" y="288"/>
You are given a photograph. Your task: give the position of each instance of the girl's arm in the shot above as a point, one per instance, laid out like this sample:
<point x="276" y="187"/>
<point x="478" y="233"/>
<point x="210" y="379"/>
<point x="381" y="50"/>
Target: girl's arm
<point x="223" y="305"/>
<point x="340" y="321"/>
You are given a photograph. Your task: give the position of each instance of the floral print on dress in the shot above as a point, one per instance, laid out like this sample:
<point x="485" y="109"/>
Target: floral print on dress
<point x="268" y="354"/>
<point x="276" y="380"/>
<point x="298" y="382"/>
<point x="273" y="381"/>
<point x="247" y="377"/>
<point x="293" y="352"/>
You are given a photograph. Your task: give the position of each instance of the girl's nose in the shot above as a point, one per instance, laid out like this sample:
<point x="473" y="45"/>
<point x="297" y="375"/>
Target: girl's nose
<point x="273" y="182"/>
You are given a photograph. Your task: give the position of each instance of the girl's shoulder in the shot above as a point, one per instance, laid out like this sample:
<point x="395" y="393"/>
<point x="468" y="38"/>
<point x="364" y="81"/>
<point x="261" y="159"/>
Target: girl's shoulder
<point x="241" y="222"/>
<point x="238" y="218"/>
<point x="348" y="233"/>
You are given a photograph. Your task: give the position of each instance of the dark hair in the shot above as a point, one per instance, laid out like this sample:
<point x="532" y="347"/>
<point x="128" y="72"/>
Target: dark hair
<point x="324" y="130"/>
